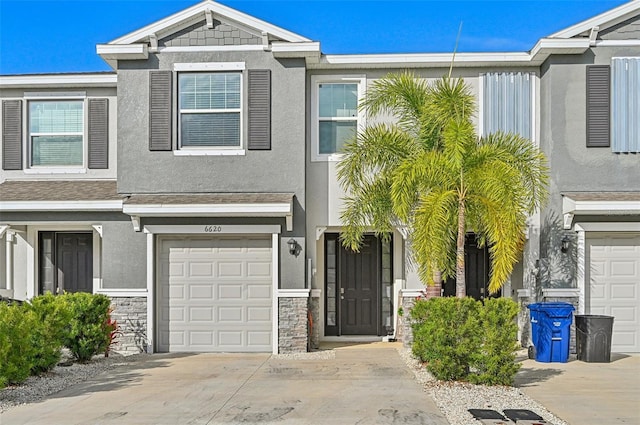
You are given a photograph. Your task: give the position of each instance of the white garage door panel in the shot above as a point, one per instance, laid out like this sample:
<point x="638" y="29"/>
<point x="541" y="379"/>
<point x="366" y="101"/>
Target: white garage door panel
<point x="614" y="286"/>
<point x="215" y="294"/>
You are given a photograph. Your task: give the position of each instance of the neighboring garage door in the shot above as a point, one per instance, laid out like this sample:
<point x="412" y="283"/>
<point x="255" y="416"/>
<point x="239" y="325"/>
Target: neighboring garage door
<point x="614" y="286"/>
<point x="215" y="294"/>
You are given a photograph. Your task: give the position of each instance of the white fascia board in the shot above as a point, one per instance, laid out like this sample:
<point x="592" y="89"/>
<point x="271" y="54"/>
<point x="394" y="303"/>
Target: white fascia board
<point x="604" y="20"/>
<point x="571" y="206"/>
<point x="607" y="207"/>
<point x="200" y="8"/>
<point x="424" y="60"/>
<point x="309" y="49"/>
<point x="210" y="210"/>
<point x="59" y="80"/>
<point x="61" y="206"/>
<point x="547" y="46"/>
<point x="130" y="51"/>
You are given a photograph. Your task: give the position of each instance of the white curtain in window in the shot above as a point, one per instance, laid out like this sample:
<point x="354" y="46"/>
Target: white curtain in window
<point x="506" y="103"/>
<point x="625" y="104"/>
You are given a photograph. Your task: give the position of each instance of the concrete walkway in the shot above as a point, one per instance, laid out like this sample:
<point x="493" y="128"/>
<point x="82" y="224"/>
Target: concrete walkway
<point x="363" y="384"/>
<point x="586" y="393"/>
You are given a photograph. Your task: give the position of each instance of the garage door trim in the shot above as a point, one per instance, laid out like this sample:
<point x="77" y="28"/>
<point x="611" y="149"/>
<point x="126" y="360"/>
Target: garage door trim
<point x="152" y="263"/>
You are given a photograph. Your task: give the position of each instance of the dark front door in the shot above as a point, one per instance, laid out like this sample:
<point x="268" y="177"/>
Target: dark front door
<point x="476" y="268"/>
<point x="359" y="286"/>
<point x="66" y="262"/>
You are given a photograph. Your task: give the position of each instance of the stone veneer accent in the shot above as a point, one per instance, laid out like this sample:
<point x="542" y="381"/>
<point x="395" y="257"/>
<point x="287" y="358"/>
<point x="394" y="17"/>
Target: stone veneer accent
<point x="293" y="329"/>
<point x="314" y="306"/>
<point x="131" y="315"/>
<point x="406" y="333"/>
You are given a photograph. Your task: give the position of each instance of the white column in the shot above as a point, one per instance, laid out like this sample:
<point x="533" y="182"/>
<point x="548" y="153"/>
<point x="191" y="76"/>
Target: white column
<point x="151" y="261"/>
<point x="275" y="277"/>
<point x="9" y="236"/>
<point x="581" y="273"/>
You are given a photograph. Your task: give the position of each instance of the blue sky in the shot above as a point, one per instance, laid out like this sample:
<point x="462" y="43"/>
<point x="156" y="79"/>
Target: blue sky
<point x="60" y="36"/>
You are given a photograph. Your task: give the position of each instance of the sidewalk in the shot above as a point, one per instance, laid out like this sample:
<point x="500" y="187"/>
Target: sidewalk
<point x="586" y="393"/>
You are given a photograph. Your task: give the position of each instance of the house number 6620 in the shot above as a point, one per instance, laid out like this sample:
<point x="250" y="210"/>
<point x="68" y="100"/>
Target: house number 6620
<point x="212" y="229"/>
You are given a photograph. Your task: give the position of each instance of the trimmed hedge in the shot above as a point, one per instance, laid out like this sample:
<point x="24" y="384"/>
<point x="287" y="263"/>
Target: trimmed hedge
<point x="32" y="334"/>
<point x="461" y="339"/>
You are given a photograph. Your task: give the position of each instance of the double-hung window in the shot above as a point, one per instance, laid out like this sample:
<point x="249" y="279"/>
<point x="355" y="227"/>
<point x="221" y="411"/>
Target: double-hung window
<point x="507" y="103"/>
<point x="336" y="114"/>
<point x="210" y="106"/>
<point x="56" y="133"/>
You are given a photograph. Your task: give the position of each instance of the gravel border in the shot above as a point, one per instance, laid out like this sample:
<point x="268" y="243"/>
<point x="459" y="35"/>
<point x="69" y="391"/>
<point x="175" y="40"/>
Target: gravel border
<point x="454" y="398"/>
<point x="64" y="375"/>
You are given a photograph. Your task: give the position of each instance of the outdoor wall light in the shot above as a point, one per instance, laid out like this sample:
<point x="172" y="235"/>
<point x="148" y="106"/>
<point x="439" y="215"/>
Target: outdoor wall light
<point x="565" y="244"/>
<point x="293" y="246"/>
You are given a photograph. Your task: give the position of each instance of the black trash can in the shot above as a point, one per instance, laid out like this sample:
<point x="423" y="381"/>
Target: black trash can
<point x="593" y="338"/>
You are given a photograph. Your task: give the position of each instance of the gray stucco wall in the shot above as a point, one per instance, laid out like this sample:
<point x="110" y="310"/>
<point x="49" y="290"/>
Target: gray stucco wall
<point x="124" y="256"/>
<point x="574" y="167"/>
<point x="281" y="169"/>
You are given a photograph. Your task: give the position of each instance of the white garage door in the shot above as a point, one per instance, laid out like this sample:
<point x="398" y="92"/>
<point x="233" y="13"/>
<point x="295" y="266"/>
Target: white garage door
<point x="215" y="294"/>
<point x="614" y="286"/>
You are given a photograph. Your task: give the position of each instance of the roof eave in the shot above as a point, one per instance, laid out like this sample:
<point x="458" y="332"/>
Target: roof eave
<point x="59" y="80"/>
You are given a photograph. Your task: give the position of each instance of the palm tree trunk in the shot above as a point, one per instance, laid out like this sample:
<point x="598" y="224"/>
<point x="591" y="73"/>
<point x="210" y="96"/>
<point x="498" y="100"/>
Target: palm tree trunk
<point x="435" y="290"/>
<point x="461" y="284"/>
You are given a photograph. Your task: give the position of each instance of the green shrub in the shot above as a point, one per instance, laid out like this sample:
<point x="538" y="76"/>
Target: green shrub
<point x="16" y="351"/>
<point x="462" y="339"/>
<point x="446" y="332"/>
<point x="88" y="332"/>
<point x="494" y="363"/>
<point x="52" y="315"/>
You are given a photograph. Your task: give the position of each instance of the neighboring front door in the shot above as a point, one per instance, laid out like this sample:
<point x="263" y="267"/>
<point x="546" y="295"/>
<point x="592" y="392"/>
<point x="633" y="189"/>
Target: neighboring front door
<point x="476" y="269"/>
<point x="66" y="262"/>
<point x="354" y="281"/>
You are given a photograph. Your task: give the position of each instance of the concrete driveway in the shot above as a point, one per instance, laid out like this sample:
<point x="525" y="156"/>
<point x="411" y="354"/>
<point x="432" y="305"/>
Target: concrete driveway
<point x="586" y="393"/>
<point x="362" y="384"/>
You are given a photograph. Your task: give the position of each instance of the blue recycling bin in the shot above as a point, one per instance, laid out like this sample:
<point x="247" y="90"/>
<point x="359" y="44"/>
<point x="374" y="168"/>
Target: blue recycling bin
<point x="553" y="332"/>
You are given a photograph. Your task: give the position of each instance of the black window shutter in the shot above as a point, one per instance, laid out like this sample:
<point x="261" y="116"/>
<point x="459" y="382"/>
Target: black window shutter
<point x="98" y="133"/>
<point x="598" y="105"/>
<point x="259" y="109"/>
<point x="12" y="135"/>
<point x="160" y="110"/>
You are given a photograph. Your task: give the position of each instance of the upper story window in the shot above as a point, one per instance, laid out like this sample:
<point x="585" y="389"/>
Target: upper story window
<point x="507" y="103"/>
<point x="335" y="114"/>
<point x="613" y="105"/>
<point x="56" y="133"/>
<point x="210" y="109"/>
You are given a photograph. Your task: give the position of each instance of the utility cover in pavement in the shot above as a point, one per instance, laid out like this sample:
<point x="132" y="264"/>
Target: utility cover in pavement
<point x="524" y="416"/>
<point x="489" y="417"/>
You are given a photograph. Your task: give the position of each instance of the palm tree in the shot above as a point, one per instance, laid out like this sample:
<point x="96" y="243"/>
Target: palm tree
<point x="429" y="173"/>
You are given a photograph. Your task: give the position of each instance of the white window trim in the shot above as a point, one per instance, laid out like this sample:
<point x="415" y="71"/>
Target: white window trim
<point x="211" y="67"/>
<point x="29" y="97"/>
<point x="316" y="80"/>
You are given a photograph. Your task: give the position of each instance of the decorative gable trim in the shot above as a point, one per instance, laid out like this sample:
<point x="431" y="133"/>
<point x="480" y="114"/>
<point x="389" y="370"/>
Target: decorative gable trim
<point x="200" y="12"/>
<point x="603" y="21"/>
